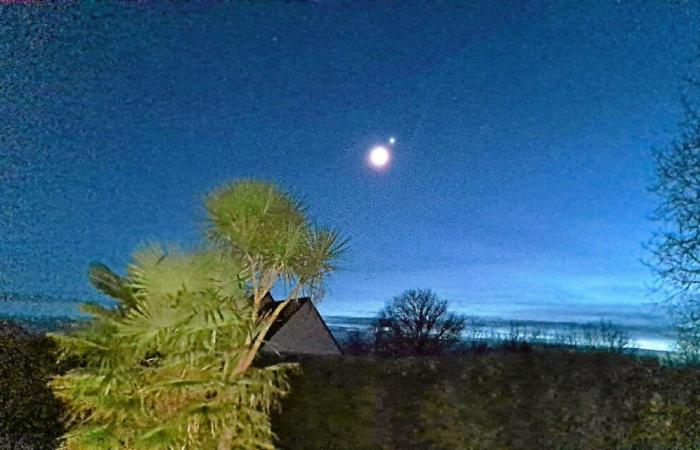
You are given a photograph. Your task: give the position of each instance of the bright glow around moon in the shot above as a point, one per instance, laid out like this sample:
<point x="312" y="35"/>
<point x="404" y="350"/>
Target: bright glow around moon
<point x="379" y="156"/>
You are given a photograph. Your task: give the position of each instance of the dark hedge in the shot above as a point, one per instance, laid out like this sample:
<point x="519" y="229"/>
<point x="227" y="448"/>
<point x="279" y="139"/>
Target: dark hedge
<point x="539" y="399"/>
<point x="29" y="414"/>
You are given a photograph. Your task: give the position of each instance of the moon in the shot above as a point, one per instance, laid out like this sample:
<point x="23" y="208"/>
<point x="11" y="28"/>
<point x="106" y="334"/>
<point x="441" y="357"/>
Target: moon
<point x="379" y="156"/>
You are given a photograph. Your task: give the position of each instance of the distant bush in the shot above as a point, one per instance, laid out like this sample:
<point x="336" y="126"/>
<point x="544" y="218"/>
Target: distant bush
<point x="357" y="342"/>
<point x="29" y="414"/>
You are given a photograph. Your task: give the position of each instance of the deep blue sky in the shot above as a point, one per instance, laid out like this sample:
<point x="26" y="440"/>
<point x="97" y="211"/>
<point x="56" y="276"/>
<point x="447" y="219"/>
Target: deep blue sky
<point x="518" y="181"/>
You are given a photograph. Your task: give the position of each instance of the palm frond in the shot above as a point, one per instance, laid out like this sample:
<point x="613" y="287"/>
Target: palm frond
<point x="109" y="283"/>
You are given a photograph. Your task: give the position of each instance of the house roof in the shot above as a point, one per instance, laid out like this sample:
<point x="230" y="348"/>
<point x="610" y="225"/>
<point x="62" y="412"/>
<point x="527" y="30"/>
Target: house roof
<point x="269" y="304"/>
<point x="294" y="307"/>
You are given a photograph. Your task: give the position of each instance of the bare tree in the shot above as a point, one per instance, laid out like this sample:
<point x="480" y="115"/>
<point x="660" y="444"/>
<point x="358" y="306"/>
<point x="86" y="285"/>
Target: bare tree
<point x="676" y="243"/>
<point x="417" y="322"/>
<point x="605" y="335"/>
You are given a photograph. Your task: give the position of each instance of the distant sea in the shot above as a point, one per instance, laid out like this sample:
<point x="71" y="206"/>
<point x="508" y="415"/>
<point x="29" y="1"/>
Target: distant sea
<point x="647" y="325"/>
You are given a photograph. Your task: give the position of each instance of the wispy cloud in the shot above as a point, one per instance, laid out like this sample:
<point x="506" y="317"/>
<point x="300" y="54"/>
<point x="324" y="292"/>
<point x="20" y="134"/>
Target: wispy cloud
<point x="494" y="288"/>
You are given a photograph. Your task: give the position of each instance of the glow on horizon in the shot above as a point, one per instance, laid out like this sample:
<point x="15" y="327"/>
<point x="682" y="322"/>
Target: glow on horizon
<point x="647" y="342"/>
<point x="655" y="344"/>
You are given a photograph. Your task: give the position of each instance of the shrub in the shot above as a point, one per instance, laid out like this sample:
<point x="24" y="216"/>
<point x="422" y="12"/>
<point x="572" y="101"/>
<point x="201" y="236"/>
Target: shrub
<point x="29" y="414"/>
<point x="357" y="342"/>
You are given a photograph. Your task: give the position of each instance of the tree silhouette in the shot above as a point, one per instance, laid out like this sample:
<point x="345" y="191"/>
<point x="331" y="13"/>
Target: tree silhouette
<point x="676" y="244"/>
<point x="417" y="322"/>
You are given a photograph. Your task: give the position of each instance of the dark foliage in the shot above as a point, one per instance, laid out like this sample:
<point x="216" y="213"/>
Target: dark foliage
<point x="357" y="342"/>
<point x="516" y="400"/>
<point x="486" y="399"/>
<point x="29" y="414"/>
<point x="417" y="323"/>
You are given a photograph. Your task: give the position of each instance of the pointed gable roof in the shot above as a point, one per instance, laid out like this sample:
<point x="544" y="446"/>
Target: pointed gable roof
<point x="299" y="329"/>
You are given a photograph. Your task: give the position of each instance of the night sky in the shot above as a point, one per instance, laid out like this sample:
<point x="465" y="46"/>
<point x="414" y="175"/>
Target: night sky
<point x="518" y="180"/>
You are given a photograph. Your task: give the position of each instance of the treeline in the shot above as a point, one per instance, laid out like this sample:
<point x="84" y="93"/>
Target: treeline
<point x="603" y="335"/>
<point x="600" y="335"/>
<point x="418" y="323"/>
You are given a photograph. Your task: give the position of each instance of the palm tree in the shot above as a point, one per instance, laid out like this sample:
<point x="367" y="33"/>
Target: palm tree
<point x="172" y="365"/>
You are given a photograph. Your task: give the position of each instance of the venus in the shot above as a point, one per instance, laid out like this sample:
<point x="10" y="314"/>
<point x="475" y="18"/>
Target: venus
<point x="379" y="156"/>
